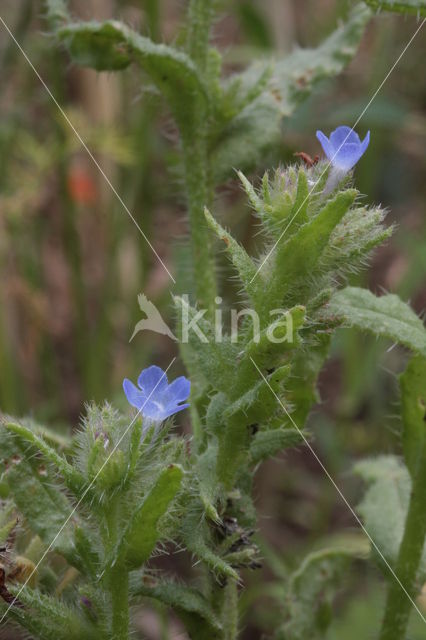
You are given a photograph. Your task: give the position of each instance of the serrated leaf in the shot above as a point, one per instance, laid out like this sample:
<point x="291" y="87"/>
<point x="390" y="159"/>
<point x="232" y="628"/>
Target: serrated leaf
<point x="112" y="45"/>
<point x="249" y="134"/>
<point x="142" y="534"/>
<point x="386" y="316"/>
<point x="416" y="7"/>
<point x="385" y="505"/>
<point x="413" y="410"/>
<point x="189" y="604"/>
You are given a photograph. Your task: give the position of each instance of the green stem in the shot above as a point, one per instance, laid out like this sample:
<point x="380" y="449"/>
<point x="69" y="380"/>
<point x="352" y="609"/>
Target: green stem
<point x="200" y="15"/>
<point x="119" y="591"/>
<point x="117" y="577"/>
<point x="398" y="606"/>
<point x="230" y="611"/>
<point x="195" y="161"/>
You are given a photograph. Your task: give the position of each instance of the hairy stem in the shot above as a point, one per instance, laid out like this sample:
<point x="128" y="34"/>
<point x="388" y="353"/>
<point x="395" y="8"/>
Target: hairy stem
<point x="230" y="611"/>
<point x="196" y="177"/>
<point x="117" y="576"/>
<point x="200" y="15"/>
<point x="119" y="591"/>
<point x="398" y="606"/>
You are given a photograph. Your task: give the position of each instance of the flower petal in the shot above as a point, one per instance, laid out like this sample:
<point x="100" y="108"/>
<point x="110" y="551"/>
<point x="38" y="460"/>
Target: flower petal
<point x="135" y="397"/>
<point x="365" y="143"/>
<point x="178" y="390"/>
<point x="325" y="143"/>
<point x="348" y="156"/>
<point x="172" y="410"/>
<point x="152" y="379"/>
<point x="342" y="136"/>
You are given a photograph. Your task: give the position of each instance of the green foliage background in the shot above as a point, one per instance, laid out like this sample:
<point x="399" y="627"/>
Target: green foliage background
<point x="68" y="304"/>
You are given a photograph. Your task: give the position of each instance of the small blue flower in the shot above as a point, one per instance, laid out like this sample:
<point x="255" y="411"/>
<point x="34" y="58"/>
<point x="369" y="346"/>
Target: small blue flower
<point x="156" y="399"/>
<point x="343" y="148"/>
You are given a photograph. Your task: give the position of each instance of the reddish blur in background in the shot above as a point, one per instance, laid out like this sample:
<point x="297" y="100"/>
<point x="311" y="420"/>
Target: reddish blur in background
<point x="72" y="261"/>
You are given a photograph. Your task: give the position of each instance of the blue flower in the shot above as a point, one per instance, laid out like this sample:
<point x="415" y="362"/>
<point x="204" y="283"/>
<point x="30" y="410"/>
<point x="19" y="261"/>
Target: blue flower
<point x="343" y="148"/>
<point x="156" y="399"/>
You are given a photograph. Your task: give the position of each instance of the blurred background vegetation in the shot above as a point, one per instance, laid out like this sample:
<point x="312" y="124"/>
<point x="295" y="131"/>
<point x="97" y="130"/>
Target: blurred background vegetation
<point x="72" y="261"/>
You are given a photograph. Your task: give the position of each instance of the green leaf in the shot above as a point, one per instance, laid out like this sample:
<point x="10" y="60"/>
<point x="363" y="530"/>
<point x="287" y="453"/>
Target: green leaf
<point x="385" y="505"/>
<point x="241" y="260"/>
<point x="142" y="533"/>
<point x="48" y="618"/>
<point x="189" y="604"/>
<point x="416" y="7"/>
<point x="208" y="482"/>
<point x="413" y="401"/>
<point x="386" y="316"/>
<point x="268" y="443"/>
<point x="74" y="480"/>
<point x="37" y="495"/>
<point x="205" y="357"/>
<point x="310" y="593"/>
<point x="196" y="534"/>
<point x="247" y="135"/>
<point x="295" y="260"/>
<point x="111" y="45"/>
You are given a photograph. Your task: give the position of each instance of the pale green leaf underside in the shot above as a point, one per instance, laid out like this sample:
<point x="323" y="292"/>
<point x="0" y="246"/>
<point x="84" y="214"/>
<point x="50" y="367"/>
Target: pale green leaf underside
<point x="257" y="127"/>
<point x="416" y="7"/>
<point x="311" y="590"/>
<point x="385" y="504"/>
<point x="386" y="316"/>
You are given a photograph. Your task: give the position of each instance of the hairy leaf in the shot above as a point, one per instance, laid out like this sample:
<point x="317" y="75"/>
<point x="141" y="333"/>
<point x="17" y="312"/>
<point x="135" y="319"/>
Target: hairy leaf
<point x="416" y="7"/>
<point x="48" y="618"/>
<point x="310" y="593"/>
<point x="385" y="505"/>
<point x="386" y="316"/>
<point x="112" y="45"/>
<point x="284" y="84"/>
<point x="190" y="605"/>
<point x="36" y="494"/>
<point x="295" y="259"/>
<point x="74" y="480"/>
<point x="268" y="443"/>
<point x="142" y="533"/>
